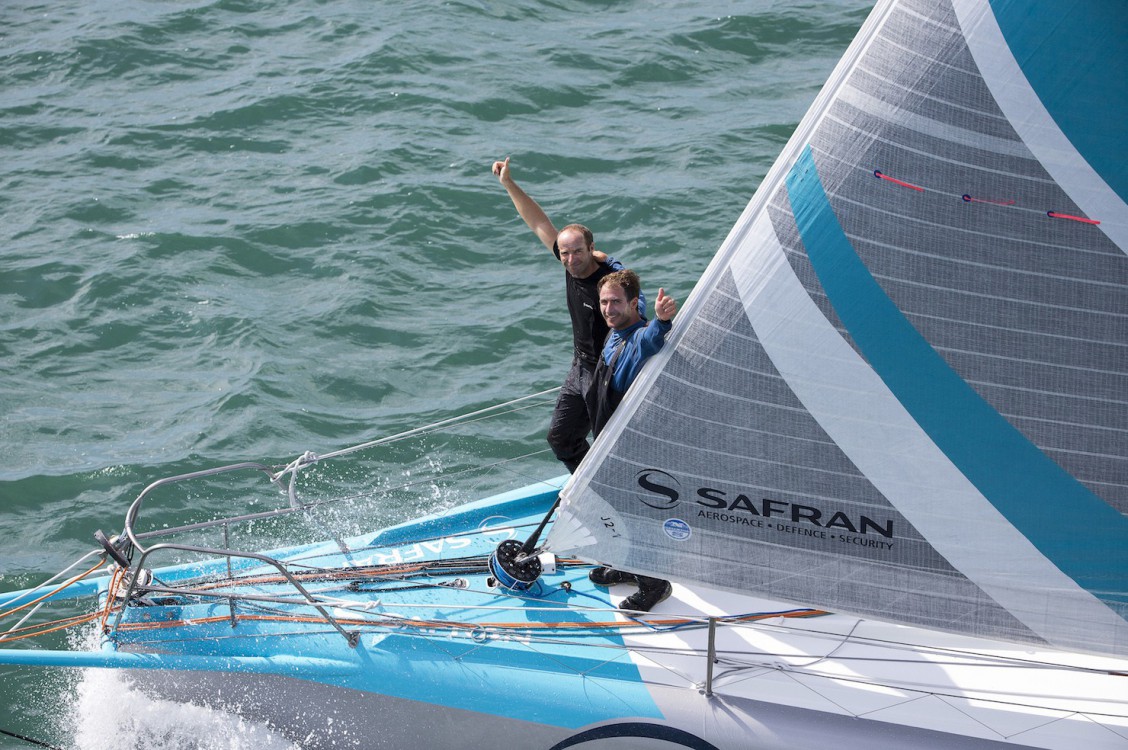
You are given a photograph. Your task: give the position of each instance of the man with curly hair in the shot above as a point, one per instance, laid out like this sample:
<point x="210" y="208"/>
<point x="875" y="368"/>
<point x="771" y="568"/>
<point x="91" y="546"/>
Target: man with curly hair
<point x="630" y="343"/>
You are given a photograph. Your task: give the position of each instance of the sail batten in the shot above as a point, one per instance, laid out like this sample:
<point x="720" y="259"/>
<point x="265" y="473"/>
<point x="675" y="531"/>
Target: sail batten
<point x="898" y="390"/>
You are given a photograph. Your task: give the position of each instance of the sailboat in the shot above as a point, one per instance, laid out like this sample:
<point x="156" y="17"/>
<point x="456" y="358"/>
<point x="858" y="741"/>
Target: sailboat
<point x="883" y="459"/>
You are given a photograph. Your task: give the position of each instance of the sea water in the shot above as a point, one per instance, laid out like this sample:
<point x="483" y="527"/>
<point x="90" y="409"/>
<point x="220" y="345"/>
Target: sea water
<point x="243" y="229"/>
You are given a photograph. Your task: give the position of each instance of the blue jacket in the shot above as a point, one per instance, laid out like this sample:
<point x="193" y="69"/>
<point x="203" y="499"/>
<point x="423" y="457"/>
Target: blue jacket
<point x="644" y="339"/>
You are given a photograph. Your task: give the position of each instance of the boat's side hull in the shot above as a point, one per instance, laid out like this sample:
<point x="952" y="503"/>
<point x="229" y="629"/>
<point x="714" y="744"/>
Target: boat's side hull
<point x="342" y="718"/>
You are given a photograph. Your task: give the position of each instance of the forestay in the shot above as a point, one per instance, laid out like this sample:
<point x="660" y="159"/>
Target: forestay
<point x="901" y="388"/>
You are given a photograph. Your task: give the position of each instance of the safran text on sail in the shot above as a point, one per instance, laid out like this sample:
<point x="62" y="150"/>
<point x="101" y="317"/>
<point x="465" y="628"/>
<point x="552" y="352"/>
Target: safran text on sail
<point x="666" y="486"/>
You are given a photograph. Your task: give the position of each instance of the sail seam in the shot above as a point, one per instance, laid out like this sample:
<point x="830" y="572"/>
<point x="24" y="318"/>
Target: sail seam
<point x="931" y="156"/>
<point x="989" y="114"/>
<point x="1022" y="331"/>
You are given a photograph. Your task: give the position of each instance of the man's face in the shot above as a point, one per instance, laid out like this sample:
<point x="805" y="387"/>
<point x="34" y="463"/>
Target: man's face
<point x="618" y="311"/>
<point x="575" y="254"/>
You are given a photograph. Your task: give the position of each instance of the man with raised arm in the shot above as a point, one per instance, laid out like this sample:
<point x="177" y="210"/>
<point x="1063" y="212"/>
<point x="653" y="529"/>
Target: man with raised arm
<point x="584" y="266"/>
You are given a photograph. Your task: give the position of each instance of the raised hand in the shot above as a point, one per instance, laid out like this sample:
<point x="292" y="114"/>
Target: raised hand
<point x="665" y="306"/>
<point x="501" y="169"/>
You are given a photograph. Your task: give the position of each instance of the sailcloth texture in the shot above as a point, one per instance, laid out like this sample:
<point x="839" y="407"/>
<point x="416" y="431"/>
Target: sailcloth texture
<point x="900" y="389"/>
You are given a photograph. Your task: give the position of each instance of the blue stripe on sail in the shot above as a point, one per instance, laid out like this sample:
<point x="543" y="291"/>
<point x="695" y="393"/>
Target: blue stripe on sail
<point x="1081" y="534"/>
<point x="1080" y="81"/>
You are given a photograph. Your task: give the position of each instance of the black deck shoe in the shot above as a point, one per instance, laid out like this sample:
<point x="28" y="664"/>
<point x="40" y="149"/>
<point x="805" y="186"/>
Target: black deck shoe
<point x="604" y="576"/>
<point x="650" y="592"/>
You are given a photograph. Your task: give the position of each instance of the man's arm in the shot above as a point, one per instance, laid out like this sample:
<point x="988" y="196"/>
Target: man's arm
<point x="645" y="342"/>
<point x="527" y="208"/>
<point x="652" y="338"/>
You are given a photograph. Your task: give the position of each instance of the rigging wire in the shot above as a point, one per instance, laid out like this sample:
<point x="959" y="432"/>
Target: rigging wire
<point x="52" y="579"/>
<point x="503" y="463"/>
<point x="493" y="410"/>
<point x="29" y="740"/>
<point x="62" y="586"/>
<point x="44" y="628"/>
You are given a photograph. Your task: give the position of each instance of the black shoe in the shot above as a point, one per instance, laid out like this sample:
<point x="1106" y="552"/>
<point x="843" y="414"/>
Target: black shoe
<point x="604" y="576"/>
<point x="649" y="593"/>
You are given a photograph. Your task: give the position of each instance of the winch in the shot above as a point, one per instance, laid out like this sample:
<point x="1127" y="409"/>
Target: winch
<point x="513" y="568"/>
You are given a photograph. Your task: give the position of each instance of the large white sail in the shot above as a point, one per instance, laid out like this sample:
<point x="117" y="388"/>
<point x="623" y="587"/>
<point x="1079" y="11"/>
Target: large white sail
<point x="901" y="388"/>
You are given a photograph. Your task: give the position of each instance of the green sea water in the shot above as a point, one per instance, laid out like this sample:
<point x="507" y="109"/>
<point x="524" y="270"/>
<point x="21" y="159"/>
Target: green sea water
<point x="238" y="230"/>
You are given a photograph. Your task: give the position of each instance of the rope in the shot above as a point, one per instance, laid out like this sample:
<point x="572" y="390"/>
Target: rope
<point x="77" y="578"/>
<point x="111" y="595"/>
<point x="43" y="629"/>
<point x="61" y="573"/>
<point x="35" y="604"/>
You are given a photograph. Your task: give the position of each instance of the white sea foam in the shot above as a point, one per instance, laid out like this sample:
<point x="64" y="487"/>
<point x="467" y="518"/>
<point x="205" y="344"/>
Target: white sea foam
<point x="106" y="706"/>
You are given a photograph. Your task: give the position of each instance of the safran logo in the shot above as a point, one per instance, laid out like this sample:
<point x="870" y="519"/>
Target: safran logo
<point x="660" y="489"/>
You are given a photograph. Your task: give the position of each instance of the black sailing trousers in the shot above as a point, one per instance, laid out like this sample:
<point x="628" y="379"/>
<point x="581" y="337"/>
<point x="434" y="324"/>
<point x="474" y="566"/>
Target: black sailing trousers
<point x="567" y="434"/>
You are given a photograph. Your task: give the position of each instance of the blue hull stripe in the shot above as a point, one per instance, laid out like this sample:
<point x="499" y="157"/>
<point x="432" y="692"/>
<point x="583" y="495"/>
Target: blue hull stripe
<point x="1078" y="532"/>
